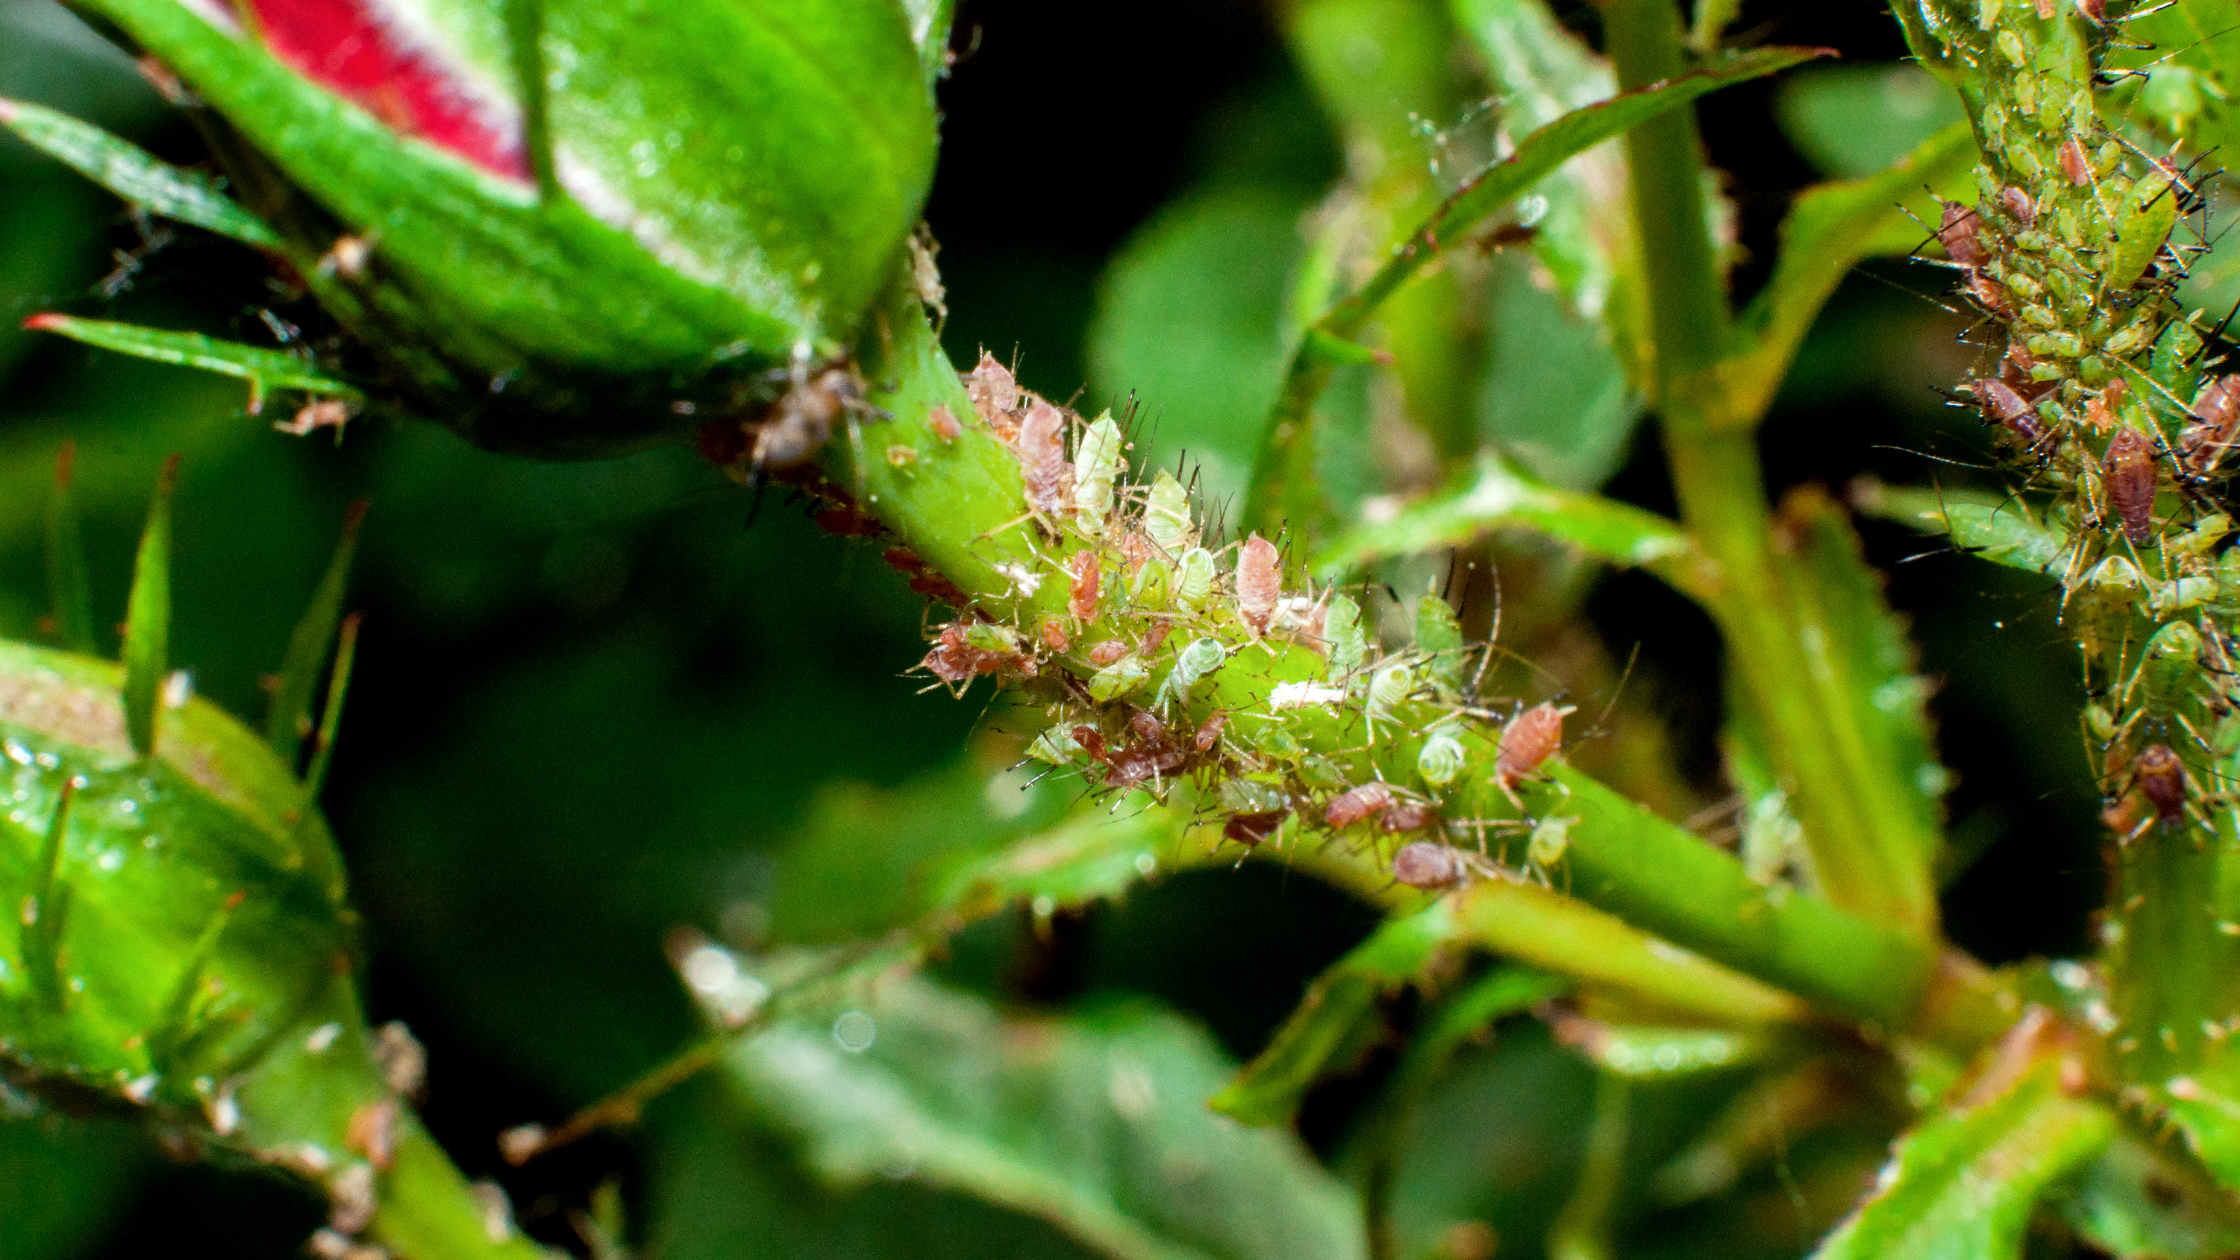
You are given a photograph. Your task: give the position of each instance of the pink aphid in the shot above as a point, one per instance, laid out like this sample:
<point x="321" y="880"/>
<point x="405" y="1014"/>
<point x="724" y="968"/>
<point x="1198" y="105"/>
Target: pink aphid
<point x="2019" y="205"/>
<point x="1958" y="233"/>
<point x="943" y="423"/>
<point x="1353" y="805"/>
<point x="1041" y="448"/>
<point x="1428" y="864"/>
<point x="1259" y="582"/>
<point x="1087" y="574"/>
<point x="2074" y="163"/>
<point x="1530" y="738"/>
<point x="1209" y="732"/>
<point x="1106" y="652"/>
<point x="2216" y="413"/>
<point x="994" y="394"/>
<point x="1405" y="816"/>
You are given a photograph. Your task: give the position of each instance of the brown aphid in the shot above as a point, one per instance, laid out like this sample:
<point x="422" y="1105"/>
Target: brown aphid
<point x="1091" y="740"/>
<point x="994" y="394"/>
<point x="1087" y="575"/>
<point x="1353" y="805"/>
<point x="1136" y="550"/>
<point x="1259" y="582"/>
<point x="1957" y="232"/>
<point x="1530" y="738"/>
<point x="2002" y="404"/>
<point x="1147" y="727"/>
<point x="1106" y="652"/>
<point x="1041" y="449"/>
<point x="1054" y="635"/>
<point x="1250" y="830"/>
<point x="847" y="521"/>
<point x="1988" y="292"/>
<point x="1428" y="864"/>
<point x="798" y="425"/>
<point x="2216" y="412"/>
<point x="943" y="423"/>
<point x="953" y="660"/>
<point x="2097" y="10"/>
<point x="2018" y="202"/>
<point x="326" y="413"/>
<point x="1156" y="637"/>
<point x="2100" y="410"/>
<point x="2129" y="473"/>
<point x="2074" y="163"/>
<point x="1209" y="732"/>
<point x="2161" y="778"/>
<point x="1406" y="816"/>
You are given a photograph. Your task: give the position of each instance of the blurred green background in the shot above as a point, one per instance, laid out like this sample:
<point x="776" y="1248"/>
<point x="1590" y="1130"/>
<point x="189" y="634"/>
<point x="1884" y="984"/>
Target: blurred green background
<point x="593" y="700"/>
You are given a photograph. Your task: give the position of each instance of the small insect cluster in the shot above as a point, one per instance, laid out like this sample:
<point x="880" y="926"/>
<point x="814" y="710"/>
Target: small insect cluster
<point x="2102" y="387"/>
<point x="1160" y="655"/>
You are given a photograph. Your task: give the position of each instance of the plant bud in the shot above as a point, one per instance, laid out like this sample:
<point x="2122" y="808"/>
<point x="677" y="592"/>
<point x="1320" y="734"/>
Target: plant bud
<point x="565" y="228"/>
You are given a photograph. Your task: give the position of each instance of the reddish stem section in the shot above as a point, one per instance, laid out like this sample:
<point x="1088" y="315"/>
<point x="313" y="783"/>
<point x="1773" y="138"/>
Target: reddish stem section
<point x="348" y="47"/>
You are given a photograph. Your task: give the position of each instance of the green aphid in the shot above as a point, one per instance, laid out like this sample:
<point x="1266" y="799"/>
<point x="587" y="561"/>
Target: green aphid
<point x="1055" y="746"/>
<point x="2172" y="664"/>
<point x="1321" y="772"/>
<point x="1437" y="631"/>
<point x="1197" y="659"/>
<point x="1193" y="578"/>
<point x="1551" y="837"/>
<point x="2100" y="722"/>
<point x="1275" y="741"/>
<point x="2176" y="365"/>
<point x="1243" y="796"/>
<point x="1389" y="687"/>
<point x="2142" y="226"/>
<point x="989" y="636"/>
<point x="1441" y="759"/>
<point x="1097" y="464"/>
<point x="1118" y="679"/>
<point x="1342" y="637"/>
<point x="1166" y="515"/>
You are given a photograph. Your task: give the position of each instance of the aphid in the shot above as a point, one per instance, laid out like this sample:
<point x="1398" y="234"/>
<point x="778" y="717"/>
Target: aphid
<point x="1388" y="688"/>
<point x="1147" y="726"/>
<point x="2019" y="205"/>
<point x="2074" y="163"/>
<point x="1091" y="740"/>
<point x="1054" y="635"/>
<point x="1250" y="830"/>
<point x="988" y="636"/>
<point x="1259" y="582"/>
<point x="1041" y="450"/>
<point x="1106" y="652"/>
<point x="1530" y="738"/>
<point x="798" y="425"/>
<point x="1166" y="515"/>
<point x="1087" y="574"/>
<point x="1193" y="578"/>
<point x="1350" y="807"/>
<point x="2129" y="473"/>
<point x="1958" y="234"/>
<point x="902" y="456"/>
<point x="2162" y="780"/>
<point x="1427" y="864"/>
<point x="1550" y="838"/>
<point x="2096" y="10"/>
<point x="1405" y="816"/>
<point x="2216" y="412"/>
<point x="943" y="423"/>
<point x="348" y="256"/>
<point x="324" y="413"/>
<point x="2100" y="410"/>
<point x="1097" y="464"/>
<point x="955" y="660"/>
<point x="1341" y="633"/>
<point x="2001" y="403"/>
<point x="1155" y="637"/>
<point x="994" y="394"/>
<point x="1988" y="292"/>
<point x="1440" y="759"/>
<point x="1118" y="679"/>
<point x="1209" y="732"/>
<point x="1198" y="658"/>
<point x="1055" y="746"/>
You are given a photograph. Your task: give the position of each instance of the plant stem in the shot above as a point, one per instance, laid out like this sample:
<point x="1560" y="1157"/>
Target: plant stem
<point x="1866" y="850"/>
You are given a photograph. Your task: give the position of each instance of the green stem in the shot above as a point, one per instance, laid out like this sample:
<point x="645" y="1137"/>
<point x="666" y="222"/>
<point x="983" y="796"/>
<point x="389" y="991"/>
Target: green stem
<point x="1866" y="850"/>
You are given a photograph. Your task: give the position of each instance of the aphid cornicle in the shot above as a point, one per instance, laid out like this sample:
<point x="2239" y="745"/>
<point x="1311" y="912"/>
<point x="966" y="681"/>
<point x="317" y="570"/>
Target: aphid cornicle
<point x="2129" y="474"/>
<point x="1427" y="864"/>
<point x="1353" y="805"/>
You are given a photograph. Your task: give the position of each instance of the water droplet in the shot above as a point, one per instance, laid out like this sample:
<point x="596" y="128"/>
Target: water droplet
<point x="1145" y="864"/>
<point x="854" y="1031"/>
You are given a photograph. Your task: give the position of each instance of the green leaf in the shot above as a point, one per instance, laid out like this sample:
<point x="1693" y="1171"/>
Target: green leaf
<point x="2141" y="1199"/>
<point x="1830" y="228"/>
<point x="134" y="174"/>
<point x="265" y="370"/>
<point x="147" y="621"/>
<point x="1998" y="528"/>
<point x="1095" y="1123"/>
<point x="1496" y="494"/>
<point x="1481" y="196"/>
<point x="289" y="720"/>
<point x="1862" y="664"/>
<point x="330" y="719"/>
<point x="1853" y="121"/>
<point x="67" y="589"/>
<point x="1964" y="1180"/>
<point x="1552" y="393"/>
<point x="1338" y="1006"/>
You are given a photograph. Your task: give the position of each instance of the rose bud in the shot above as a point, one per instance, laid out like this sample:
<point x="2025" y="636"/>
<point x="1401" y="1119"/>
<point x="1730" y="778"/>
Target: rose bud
<point x="572" y="228"/>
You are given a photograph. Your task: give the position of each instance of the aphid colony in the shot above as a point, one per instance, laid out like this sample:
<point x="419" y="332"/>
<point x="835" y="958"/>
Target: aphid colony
<point x="2100" y="393"/>
<point x="1160" y="656"/>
